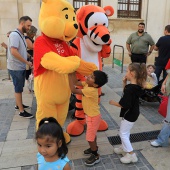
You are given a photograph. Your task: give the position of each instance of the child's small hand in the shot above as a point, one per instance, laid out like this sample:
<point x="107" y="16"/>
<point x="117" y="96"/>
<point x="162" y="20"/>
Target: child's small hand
<point x="124" y="79"/>
<point x="112" y="102"/>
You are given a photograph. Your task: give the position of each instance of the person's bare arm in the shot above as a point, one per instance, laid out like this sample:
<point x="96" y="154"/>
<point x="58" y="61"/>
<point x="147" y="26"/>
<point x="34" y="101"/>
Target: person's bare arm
<point x="152" y="47"/>
<point x="17" y="55"/>
<point x="155" y="48"/>
<point x="112" y="102"/>
<point x="29" y="44"/>
<point x="72" y="82"/>
<point x="163" y="87"/>
<point x="67" y="167"/>
<point x="150" y="51"/>
<point x="4" y="45"/>
<point x="74" y="79"/>
<point x="129" y="49"/>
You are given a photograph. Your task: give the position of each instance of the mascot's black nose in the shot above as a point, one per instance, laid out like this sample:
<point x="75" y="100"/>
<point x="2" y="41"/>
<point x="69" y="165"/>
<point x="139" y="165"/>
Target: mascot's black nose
<point x="76" y="26"/>
<point x="105" y="38"/>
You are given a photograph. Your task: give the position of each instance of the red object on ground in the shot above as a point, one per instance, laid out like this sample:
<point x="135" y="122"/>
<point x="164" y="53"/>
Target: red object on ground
<point x="163" y="106"/>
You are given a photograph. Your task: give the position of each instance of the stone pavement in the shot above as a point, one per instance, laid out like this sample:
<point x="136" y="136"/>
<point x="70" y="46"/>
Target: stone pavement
<point x="18" y="147"/>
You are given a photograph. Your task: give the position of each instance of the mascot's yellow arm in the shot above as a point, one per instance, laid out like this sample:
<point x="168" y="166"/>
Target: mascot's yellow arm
<point x="66" y="65"/>
<point x="62" y="65"/>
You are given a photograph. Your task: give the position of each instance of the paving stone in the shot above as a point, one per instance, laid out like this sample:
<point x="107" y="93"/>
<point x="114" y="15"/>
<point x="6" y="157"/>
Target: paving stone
<point x="78" y="162"/>
<point x="19" y="147"/>
<point x="17" y="135"/>
<point x="29" y="167"/>
<point x="109" y="166"/>
<point x="6" y="110"/>
<point x="17" y="168"/>
<point x="143" y="168"/>
<point x="132" y="168"/>
<point x="79" y="168"/>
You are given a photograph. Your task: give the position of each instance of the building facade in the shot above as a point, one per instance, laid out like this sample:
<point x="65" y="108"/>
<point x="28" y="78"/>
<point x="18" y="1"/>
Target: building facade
<point x="128" y="13"/>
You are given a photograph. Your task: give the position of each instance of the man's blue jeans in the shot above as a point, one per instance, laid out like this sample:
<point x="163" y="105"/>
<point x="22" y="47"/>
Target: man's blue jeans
<point x="163" y="137"/>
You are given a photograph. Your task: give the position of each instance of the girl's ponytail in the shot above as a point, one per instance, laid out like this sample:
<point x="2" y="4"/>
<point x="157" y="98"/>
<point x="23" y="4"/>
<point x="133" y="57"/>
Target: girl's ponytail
<point x="143" y="74"/>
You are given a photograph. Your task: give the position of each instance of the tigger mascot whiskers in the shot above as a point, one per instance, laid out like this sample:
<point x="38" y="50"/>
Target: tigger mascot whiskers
<point x="92" y="44"/>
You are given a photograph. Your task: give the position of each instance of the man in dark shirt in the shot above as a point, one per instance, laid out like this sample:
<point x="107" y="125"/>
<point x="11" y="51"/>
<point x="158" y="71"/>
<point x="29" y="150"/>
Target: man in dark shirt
<point x="163" y="48"/>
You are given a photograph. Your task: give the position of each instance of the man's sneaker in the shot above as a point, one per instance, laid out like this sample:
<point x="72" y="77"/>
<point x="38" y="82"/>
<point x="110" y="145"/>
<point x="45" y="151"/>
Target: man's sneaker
<point x="25" y="114"/>
<point x="155" y="144"/>
<point x="119" y="151"/>
<point x="128" y="158"/>
<point x="88" y="151"/>
<point x="92" y="160"/>
<point x="24" y="106"/>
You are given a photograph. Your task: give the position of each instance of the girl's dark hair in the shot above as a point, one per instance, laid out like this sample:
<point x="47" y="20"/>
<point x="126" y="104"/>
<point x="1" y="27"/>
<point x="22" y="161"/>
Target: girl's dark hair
<point x="50" y="127"/>
<point x="100" y="78"/>
<point x="140" y="72"/>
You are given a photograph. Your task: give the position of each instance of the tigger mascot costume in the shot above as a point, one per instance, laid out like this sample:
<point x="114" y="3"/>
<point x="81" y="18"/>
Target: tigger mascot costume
<point x="92" y="44"/>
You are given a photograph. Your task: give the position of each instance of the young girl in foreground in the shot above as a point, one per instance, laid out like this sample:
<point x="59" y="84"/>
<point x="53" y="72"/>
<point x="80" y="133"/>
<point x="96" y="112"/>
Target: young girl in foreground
<point x="52" y="147"/>
<point x="129" y="103"/>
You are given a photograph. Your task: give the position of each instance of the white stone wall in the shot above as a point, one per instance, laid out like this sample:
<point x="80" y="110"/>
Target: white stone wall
<point x="11" y="11"/>
<point x="155" y="13"/>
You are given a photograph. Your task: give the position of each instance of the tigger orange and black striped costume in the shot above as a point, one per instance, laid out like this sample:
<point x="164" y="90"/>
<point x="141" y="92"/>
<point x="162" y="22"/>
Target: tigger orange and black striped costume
<point x="92" y="44"/>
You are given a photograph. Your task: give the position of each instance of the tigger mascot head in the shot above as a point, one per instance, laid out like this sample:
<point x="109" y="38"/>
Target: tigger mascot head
<point x="91" y="44"/>
<point x="93" y="25"/>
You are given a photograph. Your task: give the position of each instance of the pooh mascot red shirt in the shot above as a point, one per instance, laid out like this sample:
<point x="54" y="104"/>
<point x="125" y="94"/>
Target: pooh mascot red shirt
<point x="92" y="44"/>
<point x="53" y="60"/>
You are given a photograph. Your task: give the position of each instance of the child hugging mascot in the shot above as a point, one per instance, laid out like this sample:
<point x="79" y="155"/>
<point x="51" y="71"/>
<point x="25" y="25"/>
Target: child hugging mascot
<point x="53" y="60"/>
<point x="92" y="44"/>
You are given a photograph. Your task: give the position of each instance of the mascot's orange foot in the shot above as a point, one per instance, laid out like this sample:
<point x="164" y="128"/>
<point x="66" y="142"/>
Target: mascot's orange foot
<point x="75" y="128"/>
<point x="103" y="126"/>
<point x="67" y="137"/>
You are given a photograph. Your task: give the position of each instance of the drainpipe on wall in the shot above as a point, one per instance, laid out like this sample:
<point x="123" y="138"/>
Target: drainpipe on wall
<point x="146" y="23"/>
<point x="18" y="9"/>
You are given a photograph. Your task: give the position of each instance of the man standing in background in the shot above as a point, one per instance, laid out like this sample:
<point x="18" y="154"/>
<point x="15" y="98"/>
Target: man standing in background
<point x="163" y="48"/>
<point x="17" y="60"/>
<point x="138" y="45"/>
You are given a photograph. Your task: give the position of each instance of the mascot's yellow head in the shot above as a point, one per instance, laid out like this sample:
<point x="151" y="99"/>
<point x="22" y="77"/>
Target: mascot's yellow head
<point x="57" y="19"/>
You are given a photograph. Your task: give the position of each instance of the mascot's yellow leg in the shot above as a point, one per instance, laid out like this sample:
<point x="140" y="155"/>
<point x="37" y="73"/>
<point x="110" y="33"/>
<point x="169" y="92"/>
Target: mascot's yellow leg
<point x="49" y="108"/>
<point x="46" y="110"/>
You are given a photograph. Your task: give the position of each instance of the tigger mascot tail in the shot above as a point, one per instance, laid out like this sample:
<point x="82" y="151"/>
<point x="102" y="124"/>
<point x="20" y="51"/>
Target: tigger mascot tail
<point x="92" y="44"/>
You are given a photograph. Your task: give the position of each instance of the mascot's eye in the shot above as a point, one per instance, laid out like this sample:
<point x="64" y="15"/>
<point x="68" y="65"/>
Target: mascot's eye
<point x="95" y="24"/>
<point x="73" y="18"/>
<point x="104" y="24"/>
<point x="66" y="16"/>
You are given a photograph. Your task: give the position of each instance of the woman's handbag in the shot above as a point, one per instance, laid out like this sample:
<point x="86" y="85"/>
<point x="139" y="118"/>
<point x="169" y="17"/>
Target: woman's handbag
<point x="163" y="106"/>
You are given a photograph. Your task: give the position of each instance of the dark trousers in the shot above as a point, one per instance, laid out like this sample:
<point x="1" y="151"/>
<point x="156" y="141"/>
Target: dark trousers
<point x="159" y="70"/>
<point x="138" y="58"/>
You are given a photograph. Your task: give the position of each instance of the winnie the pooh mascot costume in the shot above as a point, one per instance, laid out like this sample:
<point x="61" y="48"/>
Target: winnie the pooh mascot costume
<point x="53" y="60"/>
<point x="92" y="44"/>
